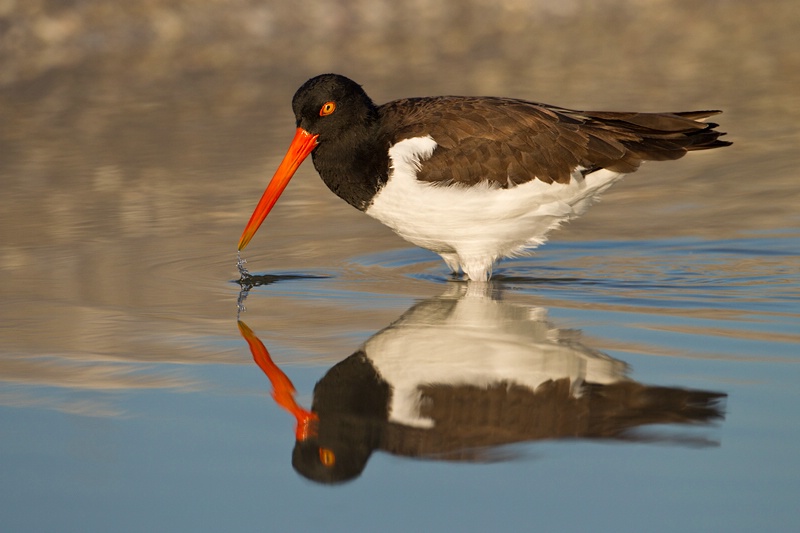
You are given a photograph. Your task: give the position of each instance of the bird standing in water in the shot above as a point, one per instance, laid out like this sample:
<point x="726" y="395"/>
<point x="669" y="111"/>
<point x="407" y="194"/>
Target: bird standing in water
<point x="474" y="179"/>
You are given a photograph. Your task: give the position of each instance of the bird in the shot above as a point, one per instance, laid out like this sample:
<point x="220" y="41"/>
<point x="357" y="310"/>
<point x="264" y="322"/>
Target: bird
<point x="474" y="179"/>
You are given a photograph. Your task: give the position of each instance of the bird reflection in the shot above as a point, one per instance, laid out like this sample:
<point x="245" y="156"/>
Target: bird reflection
<point x="460" y="375"/>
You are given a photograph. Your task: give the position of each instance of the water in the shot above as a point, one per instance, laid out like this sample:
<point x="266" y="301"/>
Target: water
<point x="131" y="399"/>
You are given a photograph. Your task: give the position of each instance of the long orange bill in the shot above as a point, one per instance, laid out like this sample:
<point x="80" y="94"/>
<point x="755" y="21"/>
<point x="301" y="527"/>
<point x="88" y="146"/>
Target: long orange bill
<point x="302" y="145"/>
<point x="282" y="388"/>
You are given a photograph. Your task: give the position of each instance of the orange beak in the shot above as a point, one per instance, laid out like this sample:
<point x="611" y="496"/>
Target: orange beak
<point x="302" y="145"/>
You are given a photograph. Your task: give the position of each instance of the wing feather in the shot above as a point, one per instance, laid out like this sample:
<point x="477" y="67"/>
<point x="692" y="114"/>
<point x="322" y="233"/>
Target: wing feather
<point x="507" y="142"/>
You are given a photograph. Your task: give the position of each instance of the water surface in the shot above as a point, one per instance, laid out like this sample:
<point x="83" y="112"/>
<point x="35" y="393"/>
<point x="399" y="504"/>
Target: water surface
<point x="638" y="373"/>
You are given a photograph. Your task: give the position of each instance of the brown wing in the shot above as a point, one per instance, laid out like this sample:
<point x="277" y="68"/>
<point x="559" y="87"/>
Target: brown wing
<point x="508" y="142"/>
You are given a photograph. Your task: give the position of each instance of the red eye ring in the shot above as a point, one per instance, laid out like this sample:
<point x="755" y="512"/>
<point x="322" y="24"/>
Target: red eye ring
<point x="327" y="108"/>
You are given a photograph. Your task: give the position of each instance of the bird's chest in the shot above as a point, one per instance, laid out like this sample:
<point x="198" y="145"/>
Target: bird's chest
<point x="465" y="219"/>
<point x="432" y="216"/>
<point x="474" y="219"/>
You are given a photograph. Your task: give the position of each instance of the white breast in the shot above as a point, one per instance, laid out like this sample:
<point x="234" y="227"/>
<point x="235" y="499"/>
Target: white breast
<point x="474" y="226"/>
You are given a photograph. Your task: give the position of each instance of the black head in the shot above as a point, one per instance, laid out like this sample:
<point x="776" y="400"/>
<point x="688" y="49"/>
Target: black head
<point x="342" y="459"/>
<point x="333" y="106"/>
<point x="352" y="403"/>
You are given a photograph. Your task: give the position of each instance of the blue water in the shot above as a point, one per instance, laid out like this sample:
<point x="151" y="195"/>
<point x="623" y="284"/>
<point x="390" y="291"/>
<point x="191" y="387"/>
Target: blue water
<point x="214" y="452"/>
<point x="134" y="144"/>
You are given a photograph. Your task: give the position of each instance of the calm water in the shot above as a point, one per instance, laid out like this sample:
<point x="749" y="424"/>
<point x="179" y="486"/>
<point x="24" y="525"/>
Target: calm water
<point x="639" y="373"/>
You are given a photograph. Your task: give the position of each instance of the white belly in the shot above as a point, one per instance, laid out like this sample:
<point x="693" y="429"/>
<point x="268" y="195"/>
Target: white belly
<point x="474" y="226"/>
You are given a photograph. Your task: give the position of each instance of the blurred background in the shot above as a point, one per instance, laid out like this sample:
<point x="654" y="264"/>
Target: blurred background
<point x="149" y="106"/>
<point x="137" y="136"/>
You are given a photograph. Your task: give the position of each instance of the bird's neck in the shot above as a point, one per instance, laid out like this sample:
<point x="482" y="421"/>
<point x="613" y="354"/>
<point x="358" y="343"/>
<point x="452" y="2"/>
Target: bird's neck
<point x="354" y="167"/>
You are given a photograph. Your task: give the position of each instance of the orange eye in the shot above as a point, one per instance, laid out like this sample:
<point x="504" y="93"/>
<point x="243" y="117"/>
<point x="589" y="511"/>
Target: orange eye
<point x="327" y="457"/>
<point x="327" y="108"/>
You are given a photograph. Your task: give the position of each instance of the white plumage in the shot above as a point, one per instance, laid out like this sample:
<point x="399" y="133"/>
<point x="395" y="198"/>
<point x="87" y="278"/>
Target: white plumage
<point x="472" y="227"/>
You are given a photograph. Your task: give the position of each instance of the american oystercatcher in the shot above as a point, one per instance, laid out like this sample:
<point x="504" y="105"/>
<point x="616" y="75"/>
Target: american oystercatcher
<point x="474" y="179"/>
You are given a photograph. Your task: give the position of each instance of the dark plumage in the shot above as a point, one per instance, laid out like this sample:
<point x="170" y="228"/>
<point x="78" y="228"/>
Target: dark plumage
<point x="509" y="142"/>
